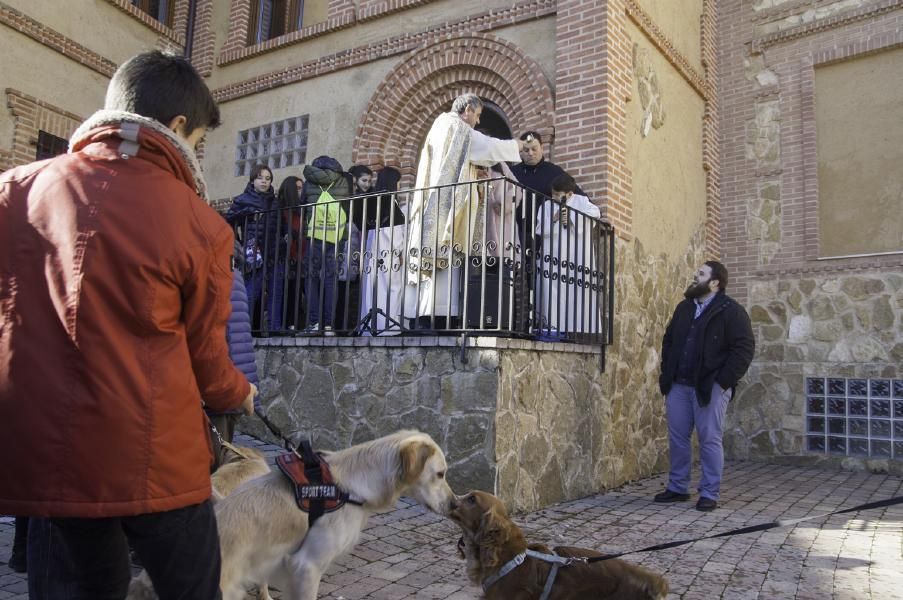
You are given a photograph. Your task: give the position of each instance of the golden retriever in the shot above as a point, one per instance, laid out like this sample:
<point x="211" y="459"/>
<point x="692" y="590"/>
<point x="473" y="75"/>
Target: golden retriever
<point x="490" y="539"/>
<point x="241" y="466"/>
<point x="264" y="536"/>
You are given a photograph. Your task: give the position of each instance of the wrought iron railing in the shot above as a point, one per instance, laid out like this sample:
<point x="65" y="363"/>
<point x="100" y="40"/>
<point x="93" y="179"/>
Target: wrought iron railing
<point x="489" y="257"/>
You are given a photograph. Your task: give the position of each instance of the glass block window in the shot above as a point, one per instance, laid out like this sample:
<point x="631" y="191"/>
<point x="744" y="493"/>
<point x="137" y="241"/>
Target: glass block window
<point x="277" y="145"/>
<point x="854" y="416"/>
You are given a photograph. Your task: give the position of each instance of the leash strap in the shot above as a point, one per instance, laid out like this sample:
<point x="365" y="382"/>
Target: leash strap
<point x="754" y="528"/>
<point x="275" y="431"/>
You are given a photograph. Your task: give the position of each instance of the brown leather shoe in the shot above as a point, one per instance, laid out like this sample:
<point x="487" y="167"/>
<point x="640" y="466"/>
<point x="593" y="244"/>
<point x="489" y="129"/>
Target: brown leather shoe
<point x="706" y="504"/>
<point x="669" y="496"/>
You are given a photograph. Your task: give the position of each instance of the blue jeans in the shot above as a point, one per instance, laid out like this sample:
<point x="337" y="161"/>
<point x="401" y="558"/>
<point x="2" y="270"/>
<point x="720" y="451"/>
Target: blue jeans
<point x="254" y="285"/>
<point x="321" y="277"/>
<point x="684" y="412"/>
<point x="88" y="559"/>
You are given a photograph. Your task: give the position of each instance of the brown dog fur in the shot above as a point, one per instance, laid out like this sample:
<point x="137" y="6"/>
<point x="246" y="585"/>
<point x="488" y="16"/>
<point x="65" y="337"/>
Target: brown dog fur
<point x="491" y="539"/>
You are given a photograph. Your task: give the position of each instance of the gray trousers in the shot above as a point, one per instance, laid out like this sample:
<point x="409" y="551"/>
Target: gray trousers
<point x="684" y="413"/>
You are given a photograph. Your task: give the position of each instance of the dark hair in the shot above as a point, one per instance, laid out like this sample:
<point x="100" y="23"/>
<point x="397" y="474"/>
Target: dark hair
<point x="358" y="170"/>
<point x="256" y="170"/>
<point x="535" y="135"/>
<point x="387" y="179"/>
<point x="564" y="183"/>
<point x="162" y="86"/>
<point x="288" y="192"/>
<point x="719" y="272"/>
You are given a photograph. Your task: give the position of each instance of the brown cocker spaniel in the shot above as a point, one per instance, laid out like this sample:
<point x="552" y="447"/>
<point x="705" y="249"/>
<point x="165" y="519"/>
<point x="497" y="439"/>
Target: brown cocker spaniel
<point x="491" y="540"/>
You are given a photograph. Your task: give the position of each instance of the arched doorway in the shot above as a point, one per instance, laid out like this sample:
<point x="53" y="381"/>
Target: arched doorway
<point x="518" y="97"/>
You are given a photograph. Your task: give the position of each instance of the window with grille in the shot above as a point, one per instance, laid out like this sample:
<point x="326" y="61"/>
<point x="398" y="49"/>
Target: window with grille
<point x="272" y="18"/>
<point x="854" y="416"/>
<point x="50" y="145"/>
<point x="277" y="145"/>
<point x="161" y="10"/>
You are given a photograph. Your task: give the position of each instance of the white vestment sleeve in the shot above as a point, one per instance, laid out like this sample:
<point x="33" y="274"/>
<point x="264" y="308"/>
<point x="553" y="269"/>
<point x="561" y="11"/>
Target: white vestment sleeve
<point x="583" y="204"/>
<point x="485" y="151"/>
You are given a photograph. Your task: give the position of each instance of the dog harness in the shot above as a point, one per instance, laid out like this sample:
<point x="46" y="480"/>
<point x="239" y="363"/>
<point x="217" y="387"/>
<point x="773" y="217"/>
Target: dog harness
<point x="316" y="492"/>
<point x="518" y="560"/>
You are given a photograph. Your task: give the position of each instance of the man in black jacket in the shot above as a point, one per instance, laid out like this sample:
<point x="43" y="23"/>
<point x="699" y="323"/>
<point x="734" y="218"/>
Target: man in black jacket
<point x="707" y="348"/>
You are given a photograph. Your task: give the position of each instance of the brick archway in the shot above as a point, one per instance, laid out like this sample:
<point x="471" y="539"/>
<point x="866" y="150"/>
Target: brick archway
<point x="405" y="104"/>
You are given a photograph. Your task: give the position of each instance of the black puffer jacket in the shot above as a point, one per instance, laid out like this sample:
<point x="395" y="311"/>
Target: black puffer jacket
<point x="724" y="351"/>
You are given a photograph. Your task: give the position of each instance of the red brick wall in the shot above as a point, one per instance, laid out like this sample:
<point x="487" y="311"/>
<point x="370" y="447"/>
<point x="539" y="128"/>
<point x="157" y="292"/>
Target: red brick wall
<point x="31" y="116"/>
<point x="593" y="82"/>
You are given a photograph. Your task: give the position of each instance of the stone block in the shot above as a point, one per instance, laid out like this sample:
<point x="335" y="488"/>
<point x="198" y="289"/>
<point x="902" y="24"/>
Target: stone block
<point x="468" y="434"/>
<point x="860" y="288"/>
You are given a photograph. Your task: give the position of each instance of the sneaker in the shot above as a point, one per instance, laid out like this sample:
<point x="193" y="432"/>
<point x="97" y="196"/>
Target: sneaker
<point x="328" y="331"/>
<point x="669" y="496"/>
<point x="706" y="504"/>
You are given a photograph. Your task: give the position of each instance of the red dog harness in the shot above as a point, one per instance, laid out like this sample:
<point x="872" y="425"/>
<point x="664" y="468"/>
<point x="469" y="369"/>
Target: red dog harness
<point x="316" y="492"/>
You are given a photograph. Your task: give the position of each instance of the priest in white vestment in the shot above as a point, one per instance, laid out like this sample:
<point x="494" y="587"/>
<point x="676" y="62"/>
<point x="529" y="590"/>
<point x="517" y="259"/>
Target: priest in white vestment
<point x="441" y="219"/>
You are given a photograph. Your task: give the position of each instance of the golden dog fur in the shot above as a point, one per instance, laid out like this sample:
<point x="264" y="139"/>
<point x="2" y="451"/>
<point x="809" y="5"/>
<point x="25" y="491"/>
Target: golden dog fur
<point x="491" y="539"/>
<point x="265" y="537"/>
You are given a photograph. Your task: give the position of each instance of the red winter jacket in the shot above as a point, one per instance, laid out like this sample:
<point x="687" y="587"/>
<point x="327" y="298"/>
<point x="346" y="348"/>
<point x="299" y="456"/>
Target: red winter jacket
<point x="114" y="297"/>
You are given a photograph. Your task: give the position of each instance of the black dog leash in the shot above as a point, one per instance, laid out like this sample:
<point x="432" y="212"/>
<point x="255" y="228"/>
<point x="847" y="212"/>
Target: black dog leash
<point x="276" y="431"/>
<point x="751" y="529"/>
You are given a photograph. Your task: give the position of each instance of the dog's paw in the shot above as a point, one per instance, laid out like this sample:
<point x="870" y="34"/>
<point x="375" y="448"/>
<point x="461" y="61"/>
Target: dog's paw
<point x="461" y="547"/>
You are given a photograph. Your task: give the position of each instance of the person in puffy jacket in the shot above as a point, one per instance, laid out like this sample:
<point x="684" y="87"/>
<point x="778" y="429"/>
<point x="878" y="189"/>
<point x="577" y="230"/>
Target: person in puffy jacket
<point x="254" y="216"/>
<point x="327" y="225"/>
<point x="114" y="298"/>
<point x="241" y="351"/>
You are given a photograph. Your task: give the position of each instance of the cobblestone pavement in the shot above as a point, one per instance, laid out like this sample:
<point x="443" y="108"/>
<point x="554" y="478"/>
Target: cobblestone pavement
<point x="410" y="553"/>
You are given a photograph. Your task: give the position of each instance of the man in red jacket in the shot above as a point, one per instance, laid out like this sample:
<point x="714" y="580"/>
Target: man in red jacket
<point x="114" y="297"/>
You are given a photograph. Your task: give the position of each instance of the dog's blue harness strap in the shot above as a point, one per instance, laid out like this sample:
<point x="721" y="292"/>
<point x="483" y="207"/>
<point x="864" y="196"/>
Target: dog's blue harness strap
<point x="506" y="568"/>
<point x="557" y="563"/>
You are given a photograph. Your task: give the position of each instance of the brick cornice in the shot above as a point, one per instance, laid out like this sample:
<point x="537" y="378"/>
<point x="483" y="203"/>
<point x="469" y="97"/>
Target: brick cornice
<point x="372" y="9"/>
<point x="521" y="12"/>
<point x="302" y="35"/>
<point x="55" y="41"/>
<point x="16" y="101"/>
<point x="181" y="10"/>
<point x="30" y="116"/>
<point x="845" y="18"/>
<point x="647" y="25"/>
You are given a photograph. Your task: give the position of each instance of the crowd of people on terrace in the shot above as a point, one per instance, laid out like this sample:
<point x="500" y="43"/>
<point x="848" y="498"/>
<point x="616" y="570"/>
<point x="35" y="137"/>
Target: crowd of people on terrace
<point x="302" y="238"/>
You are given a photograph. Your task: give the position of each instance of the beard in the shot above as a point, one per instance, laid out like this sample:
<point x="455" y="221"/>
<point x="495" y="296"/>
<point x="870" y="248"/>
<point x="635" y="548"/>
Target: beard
<point x="697" y="290"/>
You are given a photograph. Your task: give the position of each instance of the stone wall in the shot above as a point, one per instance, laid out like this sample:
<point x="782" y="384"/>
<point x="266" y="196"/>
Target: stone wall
<point x="535" y="423"/>
<point x="849" y="325"/>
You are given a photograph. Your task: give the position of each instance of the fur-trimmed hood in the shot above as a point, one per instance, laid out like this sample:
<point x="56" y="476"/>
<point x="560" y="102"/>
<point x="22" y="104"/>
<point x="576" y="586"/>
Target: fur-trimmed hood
<point x="110" y="123"/>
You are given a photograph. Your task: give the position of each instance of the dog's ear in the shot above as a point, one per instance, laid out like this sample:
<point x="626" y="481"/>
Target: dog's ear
<point x="493" y="534"/>
<point x="414" y="455"/>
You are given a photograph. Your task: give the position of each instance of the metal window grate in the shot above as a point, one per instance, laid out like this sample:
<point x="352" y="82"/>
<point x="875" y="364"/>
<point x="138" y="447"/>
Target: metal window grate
<point x="854" y="416"/>
<point x="49" y="145"/>
<point x="278" y="145"/>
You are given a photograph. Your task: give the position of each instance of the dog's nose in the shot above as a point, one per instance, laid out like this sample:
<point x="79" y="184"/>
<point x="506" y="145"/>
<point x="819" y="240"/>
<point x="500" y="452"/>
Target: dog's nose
<point x="453" y="503"/>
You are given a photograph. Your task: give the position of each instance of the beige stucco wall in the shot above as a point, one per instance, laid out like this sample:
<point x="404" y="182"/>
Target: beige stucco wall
<point x="859" y="108"/>
<point x="97" y="25"/>
<point x="679" y="20"/>
<point x="668" y="180"/>
<point x="414" y="20"/>
<point x="335" y="103"/>
<point x="61" y="82"/>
